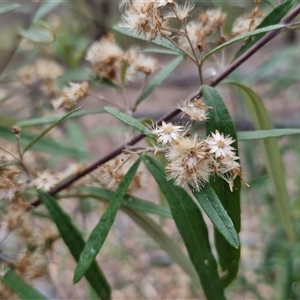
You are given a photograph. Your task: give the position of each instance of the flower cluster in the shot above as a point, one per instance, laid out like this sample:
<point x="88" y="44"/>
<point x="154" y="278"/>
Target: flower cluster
<point x="108" y="59"/>
<point x="23" y="245"/>
<point x="43" y="73"/>
<point x="248" y="22"/>
<point x="191" y="160"/>
<point x="151" y="19"/>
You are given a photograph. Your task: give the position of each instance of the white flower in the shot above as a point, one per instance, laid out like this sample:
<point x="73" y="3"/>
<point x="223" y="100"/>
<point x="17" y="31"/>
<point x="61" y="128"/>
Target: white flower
<point x="108" y="177"/>
<point x="139" y="62"/>
<point x="195" y="109"/>
<point x="168" y="132"/>
<point x="143" y="17"/>
<point x="220" y="145"/>
<point x="160" y="3"/>
<point x="181" y="12"/>
<point x="45" y="179"/>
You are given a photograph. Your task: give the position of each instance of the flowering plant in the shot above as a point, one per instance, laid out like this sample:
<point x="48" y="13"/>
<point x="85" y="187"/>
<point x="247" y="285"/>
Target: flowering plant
<point x="197" y="173"/>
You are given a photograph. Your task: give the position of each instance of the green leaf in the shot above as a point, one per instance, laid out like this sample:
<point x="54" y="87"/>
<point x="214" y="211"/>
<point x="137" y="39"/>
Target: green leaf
<point x="130" y="121"/>
<point x="274" y="164"/>
<point x="159" y="78"/>
<point x="78" y="74"/>
<point x="129" y="201"/>
<point x="219" y="119"/>
<point x="75" y="242"/>
<point x="272" y="18"/>
<point x="190" y="223"/>
<point x="46" y="8"/>
<point x="8" y="7"/>
<point x="159" y="50"/>
<point x="158" y="41"/>
<point x="49" y="129"/>
<point x="243" y="36"/>
<point x="45" y="145"/>
<point x="51" y="119"/>
<point x="20" y="287"/>
<point x="166" y="243"/>
<point x="214" y="209"/>
<point x="101" y="230"/>
<point x="38" y="34"/>
<point x="263" y="134"/>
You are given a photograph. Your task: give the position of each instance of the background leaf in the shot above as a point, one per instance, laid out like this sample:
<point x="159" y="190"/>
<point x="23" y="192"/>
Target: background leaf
<point x="38" y="34"/>
<point x="51" y="119"/>
<point x="48" y="130"/>
<point x="130" y="121"/>
<point x="129" y="201"/>
<point x="75" y="242"/>
<point x="8" y="7"/>
<point x="242" y="37"/>
<point x="166" y="243"/>
<point x="192" y="228"/>
<point x="20" y="287"/>
<point x="45" y="144"/>
<point x="101" y="230"/>
<point x="219" y="119"/>
<point x="158" y="41"/>
<point x="159" y="78"/>
<point x="272" y="18"/>
<point x="273" y="160"/>
<point x="263" y="134"/>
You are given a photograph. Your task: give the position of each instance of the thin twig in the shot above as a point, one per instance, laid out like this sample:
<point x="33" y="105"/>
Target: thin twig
<point x="264" y="40"/>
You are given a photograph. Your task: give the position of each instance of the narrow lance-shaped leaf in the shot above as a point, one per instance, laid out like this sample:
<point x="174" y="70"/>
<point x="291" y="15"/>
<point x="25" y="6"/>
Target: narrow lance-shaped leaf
<point x="9" y="7"/>
<point x="130" y="121"/>
<point x="214" y="209"/>
<point x="49" y="129"/>
<point x="190" y="223"/>
<point x="219" y="119"/>
<point x="263" y="134"/>
<point x="159" y="78"/>
<point x="158" y="41"/>
<point x="38" y="34"/>
<point x="101" y="230"/>
<point x="75" y="242"/>
<point x="129" y="201"/>
<point x="46" y="145"/>
<point x="20" y="287"/>
<point x="160" y="50"/>
<point x="46" y="8"/>
<point x="51" y="119"/>
<point x="242" y="37"/>
<point x="272" y="155"/>
<point x="272" y="18"/>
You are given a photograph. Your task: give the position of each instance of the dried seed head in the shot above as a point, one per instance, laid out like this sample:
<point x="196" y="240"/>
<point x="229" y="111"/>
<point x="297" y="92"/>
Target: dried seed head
<point x="106" y="57"/>
<point x="143" y="17"/>
<point x="16" y="130"/>
<point x="71" y="95"/>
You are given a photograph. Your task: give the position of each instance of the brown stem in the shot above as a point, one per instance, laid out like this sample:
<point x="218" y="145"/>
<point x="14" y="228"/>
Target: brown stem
<point x="265" y="39"/>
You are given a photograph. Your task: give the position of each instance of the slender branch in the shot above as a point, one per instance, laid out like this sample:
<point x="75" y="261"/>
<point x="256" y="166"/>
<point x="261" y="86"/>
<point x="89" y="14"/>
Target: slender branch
<point x="264" y="40"/>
